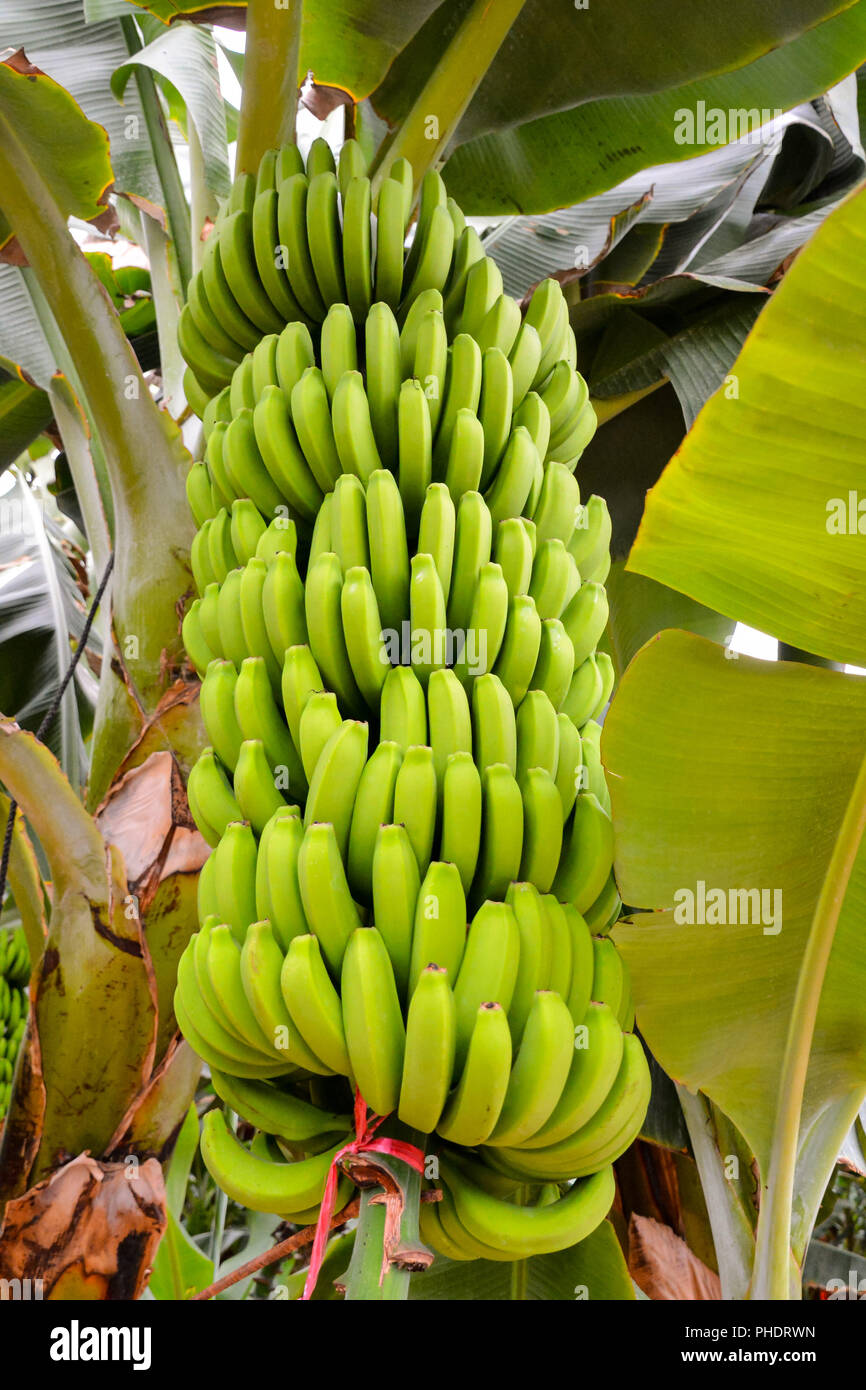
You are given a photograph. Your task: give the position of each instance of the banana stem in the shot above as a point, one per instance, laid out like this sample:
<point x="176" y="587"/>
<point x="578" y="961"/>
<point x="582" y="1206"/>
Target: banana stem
<point x="365" y="1268"/>
<point x="362" y="1277"/>
<point x="269" y="102"/>
<point x="431" y="122"/>
<point x="519" y="1269"/>
<point x="148" y="501"/>
<point x="771" y="1278"/>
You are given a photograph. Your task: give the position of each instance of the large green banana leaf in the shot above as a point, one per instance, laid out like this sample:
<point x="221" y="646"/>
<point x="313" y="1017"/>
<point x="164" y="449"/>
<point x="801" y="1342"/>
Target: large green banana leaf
<point x="72" y="150"/>
<point x="757" y="515"/>
<point x="743" y="785"/>
<point x="41" y="613"/>
<point x="611" y="104"/>
<point x="81" y="57"/>
<point x="576" y="98"/>
<point x="184" y="57"/>
<point x="25" y="411"/>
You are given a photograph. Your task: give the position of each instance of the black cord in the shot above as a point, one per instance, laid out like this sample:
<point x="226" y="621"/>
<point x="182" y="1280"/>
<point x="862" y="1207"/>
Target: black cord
<point x="51" y="714"/>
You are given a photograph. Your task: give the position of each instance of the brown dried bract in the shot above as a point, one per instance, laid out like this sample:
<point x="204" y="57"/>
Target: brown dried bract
<point x="661" y="1264"/>
<point x="90" y="1230"/>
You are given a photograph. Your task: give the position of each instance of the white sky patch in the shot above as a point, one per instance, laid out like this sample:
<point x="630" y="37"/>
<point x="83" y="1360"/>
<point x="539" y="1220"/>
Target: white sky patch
<point x="751" y="642"/>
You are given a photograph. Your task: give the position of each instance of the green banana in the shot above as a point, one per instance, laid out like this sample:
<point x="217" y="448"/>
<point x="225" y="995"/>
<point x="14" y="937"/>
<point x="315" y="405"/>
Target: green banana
<point x="322" y="599"/>
<point x="494" y="727"/>
<point x="335" y="780"/>
<point x="542" y="828"/>
<point x="429" y="1055"/>
<point x="475" y="1105"/>
<point x="282" y="454"/>
<point x="460" y="839"/>
<point x="261" y="964"/>
<point x="282" y="605"/>
<point x="234" y="878"/>
<point x="519" y="1232"/>
<point x="539" y="1073"/>
<point x="439" y="932"/>
<point x="518" y="655"/>
<point x="501" y="833"/>
<point x="383" y="377"/>
<point x="311" y="417"/>
<point x="488" y="971"/>
<point x="281" y="1188"/>
<point x="415" y="801"/>
<point x="473" y="533"/>
<point x="375" y="1033"/>
<point x="325" y="895"/>
<point x="259" y="717"/>
<point x="320" y="718"/>
<point x="403" y="712"/>
<point x="373" y="809"/>
<point x="395" y="884"/>
<point x="314" y="1003"/>
<point x="357" y="257"/>
<point x="277" y="1112"/>
<point x="588" y="854"/>
<point x="277" y="889"/>
<point x="595" y="1062"/>
<point x="414" y="434"/>
<point x="254" y="786"/>
<point x="388" y="548"/>
<point x="449" y="719"/>
<point x="324" y="236"/>
<point x="353" y="428"/>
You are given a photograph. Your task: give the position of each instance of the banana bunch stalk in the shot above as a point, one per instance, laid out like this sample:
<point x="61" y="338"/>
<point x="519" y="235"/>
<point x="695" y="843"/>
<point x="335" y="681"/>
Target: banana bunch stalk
<point x="399" y="599"/>
<point x="14" y="974"/>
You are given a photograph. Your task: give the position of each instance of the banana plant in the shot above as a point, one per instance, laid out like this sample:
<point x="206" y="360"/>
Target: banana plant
<point x="452" y="84"/>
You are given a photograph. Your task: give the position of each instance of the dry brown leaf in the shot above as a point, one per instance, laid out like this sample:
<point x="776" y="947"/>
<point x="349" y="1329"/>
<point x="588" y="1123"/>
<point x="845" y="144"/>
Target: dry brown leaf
<point x="146" y="816"/>
<point x="89" y="1231"/>
<point x="661" y="1264"/>
<point x="322" y="100"/>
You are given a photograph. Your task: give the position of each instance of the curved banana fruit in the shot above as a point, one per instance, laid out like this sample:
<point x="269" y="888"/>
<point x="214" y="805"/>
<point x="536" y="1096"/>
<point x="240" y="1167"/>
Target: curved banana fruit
<point x="439" y="932"/>
<point x="395" y="885"/>
<point x="373" y="809"/>
<point x="539" y="1073"/>
<point x="327" y="902"/>
<point x="277" y="1112"/>
<point x="595" y="1063"/>
<point x="588" y="854"/>
<point x="277" y="889"/>
<point x="314" y="1003"/>
<point x="282" y="1188"/>
<point x="429" y="1055"/>
<point x="335" y="779"/>
<point x="519" y="1232"/>
<point x="604" y="1137"/>
<point x="460" y="839"/>
<point x="261" y="964"/>
<point x="474" y="1107"/>
<point x="375" y="1033"/>
<point x="415" y="801"/>
<point x="488" y="972"/>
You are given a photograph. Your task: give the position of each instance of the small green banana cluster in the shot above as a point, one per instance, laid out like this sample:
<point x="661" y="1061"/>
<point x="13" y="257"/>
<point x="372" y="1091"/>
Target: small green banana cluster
<point x="14" y="974"/>
<point x="399" y="600"/>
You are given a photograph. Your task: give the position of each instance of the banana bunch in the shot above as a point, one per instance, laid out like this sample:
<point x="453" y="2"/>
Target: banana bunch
<point x="14" y="974"/>
<point x="399" y="597"/>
